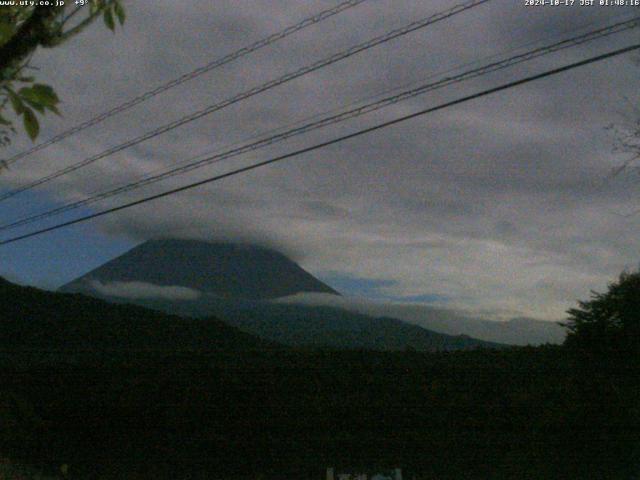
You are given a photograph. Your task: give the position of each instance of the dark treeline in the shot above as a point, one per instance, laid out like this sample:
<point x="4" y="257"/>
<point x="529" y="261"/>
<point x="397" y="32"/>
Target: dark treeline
<point x="522" y="413"/>
<point x="238" y="408"/>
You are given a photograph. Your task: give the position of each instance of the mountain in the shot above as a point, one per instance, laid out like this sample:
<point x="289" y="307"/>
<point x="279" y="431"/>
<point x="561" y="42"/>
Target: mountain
<point x="329" y="327"/>
<point x="33" y="320"/>
<point x="198" y="279"/>
<point x="515" y="331"/>
<point x="236" y="283"/>
<point x="318" y="326"/>
<point x="223" y="269"/>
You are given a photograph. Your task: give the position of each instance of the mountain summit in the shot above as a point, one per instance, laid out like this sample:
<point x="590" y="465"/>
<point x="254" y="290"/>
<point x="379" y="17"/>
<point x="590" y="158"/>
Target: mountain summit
<point x="222" y="269"/>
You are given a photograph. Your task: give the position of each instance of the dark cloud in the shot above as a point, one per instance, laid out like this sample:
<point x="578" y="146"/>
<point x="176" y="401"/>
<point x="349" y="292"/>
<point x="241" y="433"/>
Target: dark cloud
<point x="495" y="205"/>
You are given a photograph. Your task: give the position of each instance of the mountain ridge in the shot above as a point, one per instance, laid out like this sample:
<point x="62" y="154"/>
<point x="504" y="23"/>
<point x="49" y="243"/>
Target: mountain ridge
<point x="319" y="326"/>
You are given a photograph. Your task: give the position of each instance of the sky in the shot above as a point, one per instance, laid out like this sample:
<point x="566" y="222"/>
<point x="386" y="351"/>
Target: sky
<point x="499" y="206"/>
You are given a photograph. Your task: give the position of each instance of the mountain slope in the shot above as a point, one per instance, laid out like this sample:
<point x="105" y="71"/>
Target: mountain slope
<point x="224" y="269"/>
<point x="305" y="326"/>
<point x="317" y="326"/>
<point x="515" y="331"/>
<point x="41" y="321"/>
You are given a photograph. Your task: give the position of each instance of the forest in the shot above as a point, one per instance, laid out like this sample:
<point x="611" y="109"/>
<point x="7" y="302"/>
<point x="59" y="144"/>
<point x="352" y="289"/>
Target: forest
<point x="241" y="408"/>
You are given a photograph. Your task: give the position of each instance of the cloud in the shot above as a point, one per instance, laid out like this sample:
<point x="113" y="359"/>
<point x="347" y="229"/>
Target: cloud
<point x="375" y="289"/>
<point x="139" y="290"/>
<point x="496" y="205"/>
<point x="492" y="326"/>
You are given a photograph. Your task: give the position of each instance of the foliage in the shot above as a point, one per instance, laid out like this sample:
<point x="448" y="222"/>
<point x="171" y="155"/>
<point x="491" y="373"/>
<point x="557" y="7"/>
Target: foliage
<point x="116" y="391"/>
<point x="609" y="321"/>
<point x="23" y="29"/>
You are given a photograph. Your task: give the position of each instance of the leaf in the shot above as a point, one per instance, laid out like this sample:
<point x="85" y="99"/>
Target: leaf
<point x="39" y="93"/>
<point x="16" y="103"/>
<point x="6" y="32"/>
<point x="27" y="93"/>
<point x="31" y="124"/>
<point x="109" y="21"/>
<point x="38" y="106"/>
<point x="46" y="92"/>
<point x="4" y="121"/>
<point x="120" y="13"/>
<point x="54" y="109"/>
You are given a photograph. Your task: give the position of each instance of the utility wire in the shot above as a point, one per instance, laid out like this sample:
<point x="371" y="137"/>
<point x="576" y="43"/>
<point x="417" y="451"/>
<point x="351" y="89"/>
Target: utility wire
<point x="411" y="27"/>
<point x="333" y="119"/>
<point x="307" y="22"/>
<point x="368" y="98"/>
<point x="334" y="141"/>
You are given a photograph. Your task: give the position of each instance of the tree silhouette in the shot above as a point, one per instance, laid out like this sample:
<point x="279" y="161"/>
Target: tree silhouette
<point x="24" y="29"/>
<point x="608" y="321"/>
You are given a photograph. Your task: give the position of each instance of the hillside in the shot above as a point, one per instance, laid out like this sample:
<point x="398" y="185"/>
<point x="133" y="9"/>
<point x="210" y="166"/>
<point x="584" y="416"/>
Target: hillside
<point x="116" y="391"/>
<point x="34" y="319"/>
<point x="318" y="327"/>
<point x="514" y="331"/>
<point x="314" y="326"/>
<point x="37" y="320"/>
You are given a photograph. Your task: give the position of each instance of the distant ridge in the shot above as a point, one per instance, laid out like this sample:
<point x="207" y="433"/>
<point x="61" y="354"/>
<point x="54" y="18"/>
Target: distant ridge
<point x="226" y="270"/>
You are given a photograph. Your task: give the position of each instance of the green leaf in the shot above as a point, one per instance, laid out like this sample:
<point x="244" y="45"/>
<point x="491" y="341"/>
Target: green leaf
<point x="120" y="13"/>
<point x="45" y="91"/>
<point x="29" y="95"/>
<point x="54" y="109"/>
<point x="38" y="106"/>
<point x="31" y="124"/>
<point x="16" y="103"/>
<point x="4" y="121"/>
<point x="6" y="32"/>
<point x="109" y="21"/>
<point x="41" y="94"/>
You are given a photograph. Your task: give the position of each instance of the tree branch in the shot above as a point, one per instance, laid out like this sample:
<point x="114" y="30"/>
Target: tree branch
<point x="72" y="14"/>
<point x="64" y="36"/>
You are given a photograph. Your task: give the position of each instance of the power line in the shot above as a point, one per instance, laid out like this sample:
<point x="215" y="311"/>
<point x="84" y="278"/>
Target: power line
<point x="411" y="27"/>
<point x="307" y="22"/>
<point x="318" y="146"/>
<point x="378" y="95"/>
<point x="340" y="117"/>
